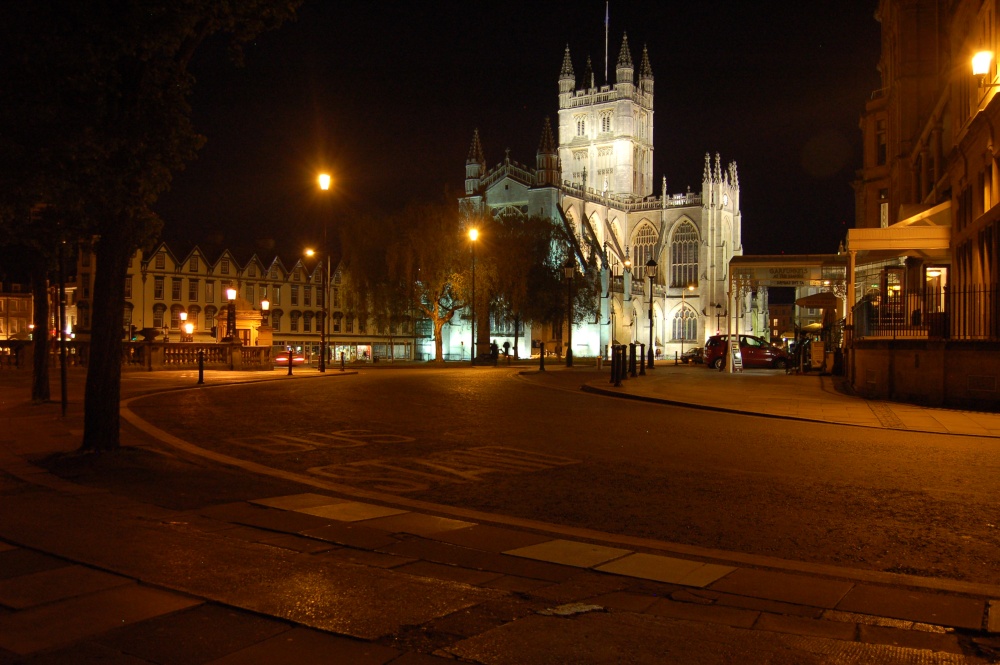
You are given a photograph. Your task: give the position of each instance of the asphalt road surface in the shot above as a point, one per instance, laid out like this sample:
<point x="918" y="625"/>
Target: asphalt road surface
<point x="536" y="447"/>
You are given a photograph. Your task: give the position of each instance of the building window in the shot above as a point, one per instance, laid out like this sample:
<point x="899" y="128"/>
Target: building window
<point x="350" y="324"/>
<point x="158" y="290"/>
<point x="158" y="316"/>
<point x="336" y="297"/>
<point x="210" y="291"/>
<point x="249" y="292"/>
<point x="685" y="325"/>
<point x="581" y="127"/>
<point x="193" y="264"/>
<point x="307" y="322"/>
<point x="225" y="267"/>
<point x="684" y="256"/>
<point x="175" y="288"/>
<point x="605" y="123"/>
<point x="161" y="260"/>
<point x="175" y="318"/>
<point x="252" y="270"/>
<point x="85" y="285"/>
<point x="276" y="295"/>
<point x="192" y="290"/>
<point x="294" y="326"/>
<point x="210" y="316"/>
<point x="307" y="296"/>
<point x="128" y="287"/>
<point x="274" y="272"/>
<point x="276" y="319"/>
<point x="642" y="250"/>
<point x="336" y="277"/>
<point x="295" y="296"/>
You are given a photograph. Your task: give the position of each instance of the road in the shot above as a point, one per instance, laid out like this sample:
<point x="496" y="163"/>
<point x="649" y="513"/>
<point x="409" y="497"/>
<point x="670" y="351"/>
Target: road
<point x="535" y="447"/>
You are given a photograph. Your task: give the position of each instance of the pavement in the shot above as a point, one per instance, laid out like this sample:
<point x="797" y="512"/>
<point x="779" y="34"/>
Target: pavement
<point x="299" y="571"/>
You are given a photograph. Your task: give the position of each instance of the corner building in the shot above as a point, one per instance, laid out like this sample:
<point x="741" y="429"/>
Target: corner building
<point x="597" y="179"/>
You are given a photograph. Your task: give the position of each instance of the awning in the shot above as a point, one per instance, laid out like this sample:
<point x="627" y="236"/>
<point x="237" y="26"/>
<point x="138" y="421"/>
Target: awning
<point x="824" y="300"/>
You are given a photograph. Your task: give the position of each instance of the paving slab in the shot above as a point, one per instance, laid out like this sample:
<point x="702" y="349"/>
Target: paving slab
<point x="490" y="538"/>
<point x="730" y="616"/>
<point x="297" y="501"/>
<point x="55" y="584"/>
<point x="445" y="572"/>
<point x="417" y="524"/>
<point x="59" y="624"/>
<point x="432" y="550"/>
<point x="193" y="636"/>
<point x="351" y="535"/>
<point x="623" y="601"/>
<point x="21" y="561"/>
<point x="784" y="587"/>
<point x="666" y="569"/>
<point x="307" y="647"/>
<point x="569" y="553"/>
<point x="351" y="511"/>
<point x="940" y="609"/>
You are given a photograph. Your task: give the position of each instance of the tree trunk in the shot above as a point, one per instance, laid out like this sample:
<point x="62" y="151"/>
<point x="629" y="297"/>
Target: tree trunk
<point x="101" y="423"/>
<point x="40" y="335"/>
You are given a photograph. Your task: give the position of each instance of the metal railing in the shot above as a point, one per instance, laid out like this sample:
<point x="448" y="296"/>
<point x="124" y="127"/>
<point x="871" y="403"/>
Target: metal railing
<point x="971" y="314"/>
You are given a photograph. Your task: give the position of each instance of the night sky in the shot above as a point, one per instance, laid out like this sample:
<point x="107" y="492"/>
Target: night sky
<point x="386" y="95"/>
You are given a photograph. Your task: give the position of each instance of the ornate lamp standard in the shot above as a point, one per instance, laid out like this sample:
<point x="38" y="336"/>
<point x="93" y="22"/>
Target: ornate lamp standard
<point x="473" y="236"/>
<point x="231" y="316"/>
<point x="186" y="328"/>
<point x="651" y="271"/>
<point x="569" y="270"/>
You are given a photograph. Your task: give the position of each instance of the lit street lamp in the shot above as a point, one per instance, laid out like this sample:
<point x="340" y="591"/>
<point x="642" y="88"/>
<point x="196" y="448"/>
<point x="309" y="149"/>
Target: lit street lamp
<point x="324" y="183"/>
<point x="265" y="305"/>
<point x="651" y="271"/>
<point x="231" y="316"/>
<point x="473" y="236"/>
<point x="186" y="328"/>
<point x="568" y="271"/>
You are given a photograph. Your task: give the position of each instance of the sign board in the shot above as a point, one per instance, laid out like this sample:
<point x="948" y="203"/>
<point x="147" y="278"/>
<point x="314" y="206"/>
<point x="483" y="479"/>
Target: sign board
<point x="734" y="348"/>
<point x="778" y="275"/>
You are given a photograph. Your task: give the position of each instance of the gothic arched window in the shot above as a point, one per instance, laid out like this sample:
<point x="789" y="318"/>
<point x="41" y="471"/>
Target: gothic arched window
<point x="642" y="250"/>
<point x="684" y="256"/>
<point x="685" y="325"/>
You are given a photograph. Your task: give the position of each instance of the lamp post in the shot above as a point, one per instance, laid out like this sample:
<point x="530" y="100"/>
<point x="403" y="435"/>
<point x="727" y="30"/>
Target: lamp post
<point x="186" y="328"/>
<point x="265" y="305"/>
<point x="718" y="316"/>
<point x="323" y="276"/>
<point x="473" y="236"/>
<point x="651" y="271"/>
<point x="231" y="316"/>
<point x="324" y="184"/>
<point x="568" y="271"/>
<point x="684" y="330"/>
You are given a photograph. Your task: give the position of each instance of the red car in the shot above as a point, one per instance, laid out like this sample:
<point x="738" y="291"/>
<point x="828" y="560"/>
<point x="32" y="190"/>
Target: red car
<point x="755" y="351"/>
<point x="281" y="358"/>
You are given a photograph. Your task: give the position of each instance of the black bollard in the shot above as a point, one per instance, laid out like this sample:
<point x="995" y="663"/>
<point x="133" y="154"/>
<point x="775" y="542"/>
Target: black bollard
<point x="341" y="361"/>
<point x="622" y="362"/>
<point x="632" y="361"/>
<point x="541" y="357"/>
<point x="642" y="360"/>
<point x="291" y="357"/>
<point x="201" y="367"/>
<point x="614" y="364"/>
<point x="619" y="352"/>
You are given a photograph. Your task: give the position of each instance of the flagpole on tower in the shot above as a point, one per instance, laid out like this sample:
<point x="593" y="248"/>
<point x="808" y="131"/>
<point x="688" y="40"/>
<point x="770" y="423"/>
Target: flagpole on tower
<point x="606" y="2"/>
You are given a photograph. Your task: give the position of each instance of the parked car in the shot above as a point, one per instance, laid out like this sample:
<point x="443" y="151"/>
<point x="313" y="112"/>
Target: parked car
<point x="281" y="358"/>
<point x="693" y="355"/>
<point x="756" y="352"/>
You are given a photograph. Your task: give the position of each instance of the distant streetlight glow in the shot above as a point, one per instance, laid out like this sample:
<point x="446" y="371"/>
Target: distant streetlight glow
<point x="324" y="181"/>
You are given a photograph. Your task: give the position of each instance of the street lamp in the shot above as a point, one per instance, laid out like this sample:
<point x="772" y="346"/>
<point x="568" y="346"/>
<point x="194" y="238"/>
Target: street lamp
<point x="323" y="277"/>
<point x="324" y="184"/>
<point x="568" y="271"/>
<point x="651" y="271"/>
<point x="265" y="305"/>
<point x="231" y="315"/>
<point x="690" y="287"/>
<point x="186" y="328"/>
<point x="473" y="236"/>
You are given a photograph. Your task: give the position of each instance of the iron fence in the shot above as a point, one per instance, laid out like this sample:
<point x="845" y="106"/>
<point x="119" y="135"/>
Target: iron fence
<point x="935" y="314"/>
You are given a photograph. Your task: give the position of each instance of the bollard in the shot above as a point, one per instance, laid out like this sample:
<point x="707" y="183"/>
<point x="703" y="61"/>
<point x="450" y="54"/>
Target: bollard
<point x="642" y="360"/>
<point x="622" y="366"/>
<point x="291" y="357"/>
<point x="201" y="367"/>
<point x="676" y="358"/>
<point x="541" y="357"/>
<point x="632" y="361"/>
<point x="341" y="361"/>
<point x="614" y="364"/>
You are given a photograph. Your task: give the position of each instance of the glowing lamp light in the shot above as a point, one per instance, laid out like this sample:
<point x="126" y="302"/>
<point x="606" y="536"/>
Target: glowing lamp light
<point x="473" y="234"/>
<point x="933" y="273"/>
<point x="324" y="181"/>
<point x="184" y="316"/>
<point x="310" y="252"/>
<point x="981" y="63"/>
<point x="231" y="293"/>
<point x="265" y="304"/>
<point x="188" y="328"/>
